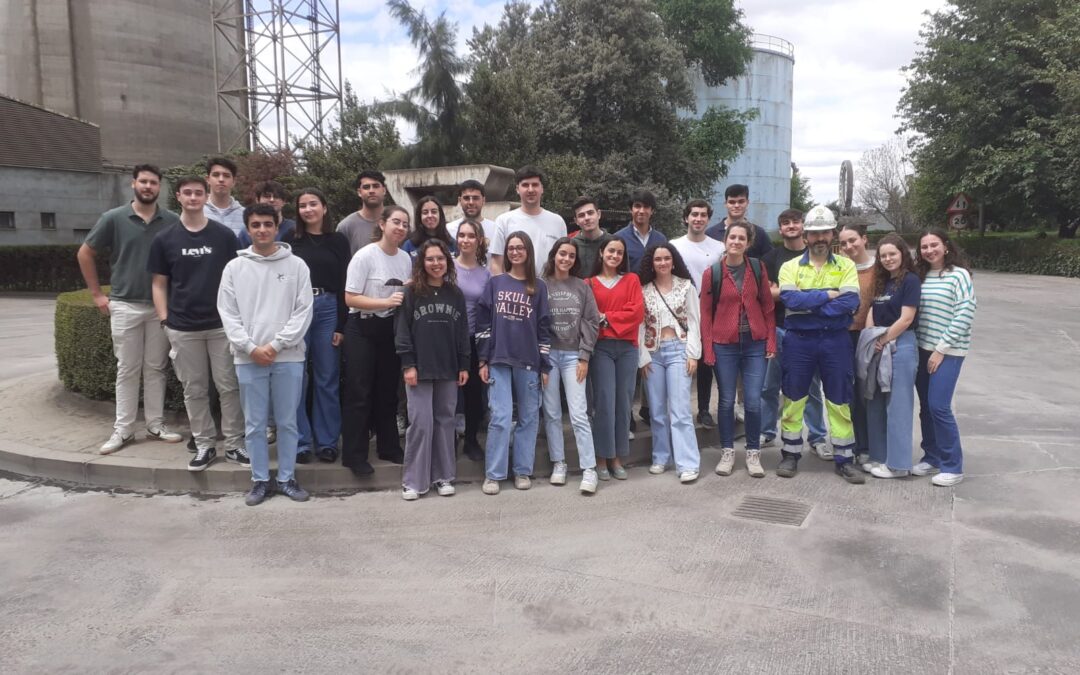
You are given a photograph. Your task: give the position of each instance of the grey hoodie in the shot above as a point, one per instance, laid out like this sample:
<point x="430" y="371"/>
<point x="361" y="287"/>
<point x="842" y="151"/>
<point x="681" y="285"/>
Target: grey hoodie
<point x="232" y="216"/>
<point x="266" y="299"/>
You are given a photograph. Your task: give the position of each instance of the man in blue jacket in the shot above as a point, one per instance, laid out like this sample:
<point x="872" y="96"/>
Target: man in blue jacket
<point x="639" y="233"/>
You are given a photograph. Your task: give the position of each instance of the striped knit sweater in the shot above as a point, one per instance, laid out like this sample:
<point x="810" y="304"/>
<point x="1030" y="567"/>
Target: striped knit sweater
<point x="946" y="312"/>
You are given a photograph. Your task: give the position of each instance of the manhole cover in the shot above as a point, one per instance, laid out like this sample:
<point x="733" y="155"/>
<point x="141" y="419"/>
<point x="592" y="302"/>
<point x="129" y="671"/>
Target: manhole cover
<point x="772" y="510"/>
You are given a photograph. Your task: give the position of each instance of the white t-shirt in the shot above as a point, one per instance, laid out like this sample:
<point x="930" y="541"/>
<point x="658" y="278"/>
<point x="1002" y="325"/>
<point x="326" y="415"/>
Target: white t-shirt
<point x="699" y="255"/>
<point x="544" y="229"/>
<point x="488" y="225"/>
<point x="370" y="269"/>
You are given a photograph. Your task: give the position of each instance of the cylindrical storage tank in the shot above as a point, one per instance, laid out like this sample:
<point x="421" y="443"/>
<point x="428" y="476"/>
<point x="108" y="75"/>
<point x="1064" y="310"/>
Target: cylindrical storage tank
<point x="142" y="70"/>
<point x="765" y="163"/>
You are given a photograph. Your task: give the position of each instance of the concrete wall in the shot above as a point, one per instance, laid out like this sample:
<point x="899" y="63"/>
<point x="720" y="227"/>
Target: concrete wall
<point x="78" y="198"/>
<point x="765" y="164"/>
<point x="140" y="69"/>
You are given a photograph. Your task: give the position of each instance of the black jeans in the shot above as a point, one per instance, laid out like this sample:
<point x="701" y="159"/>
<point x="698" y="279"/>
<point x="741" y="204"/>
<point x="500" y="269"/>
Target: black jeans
<point x="372" y="372"/>
<point x="704" y="386"/>
<point x="474" y="397"/>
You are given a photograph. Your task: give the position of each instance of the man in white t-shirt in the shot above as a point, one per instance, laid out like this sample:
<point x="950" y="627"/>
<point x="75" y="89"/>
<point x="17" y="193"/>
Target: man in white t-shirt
<point x="542" y="226"/>
<point x="699" y="252"/>
<point x="471" y="200"/>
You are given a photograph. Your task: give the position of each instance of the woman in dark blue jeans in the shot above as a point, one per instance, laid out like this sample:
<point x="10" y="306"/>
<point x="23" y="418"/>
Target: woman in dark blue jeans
<point x="326" y="253"/>
<point x="738" y="333"/>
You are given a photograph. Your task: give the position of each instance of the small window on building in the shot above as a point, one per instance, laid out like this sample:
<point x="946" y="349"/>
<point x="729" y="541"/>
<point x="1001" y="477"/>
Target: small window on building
<point x="80" y="235"/>
<point x="48" y="221"/>
<point x="7" y="220"/>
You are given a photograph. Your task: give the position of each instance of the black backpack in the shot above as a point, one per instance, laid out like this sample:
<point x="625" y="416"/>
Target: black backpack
<point x="718" y="278"/>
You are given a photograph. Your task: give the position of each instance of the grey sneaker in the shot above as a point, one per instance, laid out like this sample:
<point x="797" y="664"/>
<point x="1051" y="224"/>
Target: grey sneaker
<point x="688" y="476"/>
<point x="740" y="412"/>
<point x="292" y="490"/>
<point x="705" y="419"/>
<point x="821" y="449"/>
<point x="271" y="435"/>
<point x="753" y="464"/>
<point x="558" y="474"/>
<point x="260" y="490"/>
<point x="522" y="482"/>
<point x="115" y="442"/>
<point x="588" y="481"/>
<point x="491" y="487"/>
<point x="657" y="469"/>
<point x="603" y="473"/>
<point x="727" y="462"/>
<point x="924" y="469"/>
<point x="619" y="473"/>
<point x="163" y="434"/>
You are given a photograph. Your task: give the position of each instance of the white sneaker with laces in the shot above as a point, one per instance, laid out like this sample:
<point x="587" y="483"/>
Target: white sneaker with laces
<point x="688" y="476"/>
<point x="409" y="495"/>
<point x="657" y="469"/>
<point x="445" y="488"/>
<point x="868" y="467"/>
<point x="588" y="481"/>
<point x="753" y="464"/>
<point x="726" y="463"/>
<point x="924" y="469"/>
<point x="163" y="434"/>
<point x="882" y="471"/>
<point x="491" y="487"/>
<point x="558" y="473"/>
<point x="947" y="479"/>
<point x="115" y="442"/>
<point x="821" y="449"/>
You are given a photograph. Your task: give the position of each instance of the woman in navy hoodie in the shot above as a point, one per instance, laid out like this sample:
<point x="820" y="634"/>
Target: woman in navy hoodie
<point x="513" y="338"/>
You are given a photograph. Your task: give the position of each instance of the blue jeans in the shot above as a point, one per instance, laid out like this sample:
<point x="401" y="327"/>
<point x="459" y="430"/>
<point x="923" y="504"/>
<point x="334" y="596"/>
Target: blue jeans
<point x="889" y="416"/>
<point x="507" y="385"/>
<point x="275" y="386"/>
<point x="813" y="419"/>
<point x="747" y="357"/>
<point x="324" y="427"/>
<point x="940" y="435"/>
<point x="668" y="387"/>
<point x="565" y="369"/>
<point x="611" y="372"/>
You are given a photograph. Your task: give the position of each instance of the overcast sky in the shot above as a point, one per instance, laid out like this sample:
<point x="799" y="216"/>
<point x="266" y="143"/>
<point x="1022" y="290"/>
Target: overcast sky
<point x="848" y="55"/>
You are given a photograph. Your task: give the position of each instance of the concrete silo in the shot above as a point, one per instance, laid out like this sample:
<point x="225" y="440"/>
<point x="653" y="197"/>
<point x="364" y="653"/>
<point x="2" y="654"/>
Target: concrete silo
<point x="765" y="163"/>
<point x="142" y="70"/>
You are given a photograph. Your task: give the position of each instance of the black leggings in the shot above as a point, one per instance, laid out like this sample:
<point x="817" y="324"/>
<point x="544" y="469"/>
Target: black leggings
<point x="474" y="397"/>
<point x="372" y="372"/>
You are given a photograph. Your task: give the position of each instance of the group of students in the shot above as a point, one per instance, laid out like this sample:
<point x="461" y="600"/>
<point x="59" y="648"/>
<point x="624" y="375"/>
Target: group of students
<point x="426" y="323"/>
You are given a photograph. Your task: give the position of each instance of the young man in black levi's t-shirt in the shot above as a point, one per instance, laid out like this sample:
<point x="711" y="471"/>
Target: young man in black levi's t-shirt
<point x="187" y="261"/>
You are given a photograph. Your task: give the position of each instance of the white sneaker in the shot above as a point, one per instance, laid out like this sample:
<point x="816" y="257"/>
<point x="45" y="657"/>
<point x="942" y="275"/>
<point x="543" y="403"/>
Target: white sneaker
<point x="882" y="471"/>
<point x="947" y="479"/>
<point x="558" y="474"/>
<point x="115" y="442"/>
<point x="409" y="495"/>
<point x="491" y="487"/>
<point x="753" y="464"/>
<point x="657" y="469"/>
<point x="631" y="437"/>
<point x="821" y="449"/>
<point x="924" y="469"/>
<point x="588" y="481"/>
<point x="688" y="476"/>
<point x="271" y="435"/>
<point x="522" y="482"/>
<point x="726" y="463"/>
<point x="401" y="425"/>
<point x="163" y="434"/>
<point x="740" y="412"/>
<point x="445" y="488"/>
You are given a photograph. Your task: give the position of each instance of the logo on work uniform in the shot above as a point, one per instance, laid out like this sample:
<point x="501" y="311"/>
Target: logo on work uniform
<point x="196" y="252"/>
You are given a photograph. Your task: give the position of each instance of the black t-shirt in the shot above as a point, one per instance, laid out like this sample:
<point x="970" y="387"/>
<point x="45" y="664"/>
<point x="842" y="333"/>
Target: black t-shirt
<point x="774" y="259"/>
<point x="193" y="261"/>
<point x="327" y="257"/>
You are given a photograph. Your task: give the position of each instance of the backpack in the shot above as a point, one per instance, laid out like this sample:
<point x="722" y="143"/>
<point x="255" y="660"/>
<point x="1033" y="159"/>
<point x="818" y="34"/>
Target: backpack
<point x="718" y="278"/>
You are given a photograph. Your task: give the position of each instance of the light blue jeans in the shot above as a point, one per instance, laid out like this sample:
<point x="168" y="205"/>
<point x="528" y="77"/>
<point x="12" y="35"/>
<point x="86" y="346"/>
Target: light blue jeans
<point x="813" y="418"/>
<point x="507" y="385"/>
<point x="668" y="387"/>
<point x="276" y="386"/>
<point x="564" y="368"/>
<point x="890" y="416"/>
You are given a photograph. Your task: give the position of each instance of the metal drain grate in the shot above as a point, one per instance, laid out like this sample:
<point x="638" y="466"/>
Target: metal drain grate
<point x="771" y="510"/>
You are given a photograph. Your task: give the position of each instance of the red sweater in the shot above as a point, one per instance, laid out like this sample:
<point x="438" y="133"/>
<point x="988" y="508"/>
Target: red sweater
<point x="623" y="306"/>
<point x="723" y="329"/>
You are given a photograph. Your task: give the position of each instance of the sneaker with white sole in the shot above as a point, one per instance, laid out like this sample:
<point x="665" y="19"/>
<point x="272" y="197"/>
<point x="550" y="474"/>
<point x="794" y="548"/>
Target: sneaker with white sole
<point x="203" y="458"/>
<point x="409" y="494"/>
<point x="688" y="476"/>
<point x="115" y="442"/>
<point x="558" y="473"/>
<point x="239" y="456"/>
<point x="164" y="434"/>
<point x="944" y="479"/>
<point x="868" y="467"/>
<point x="727" y="462"/>
<point x="924" y="469"/>
<point x="821" y="449"/>
<point x="445" y="488"/>
<point x="522" y="482"/>
<point x="882" y="471"/>
<point x="402" y="425"/>
<point x="603" y="473"/>
<point x="657" y="469"/>
<point x="588" y="481"/>
<point x="768" y="441"/>
<point x="491" y="487"/>
<point x="271" y="435"/>
<point x="753" y="464"/>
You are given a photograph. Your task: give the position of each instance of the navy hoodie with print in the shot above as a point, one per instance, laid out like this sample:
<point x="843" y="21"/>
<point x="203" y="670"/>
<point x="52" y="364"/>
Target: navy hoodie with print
<point x="513" y="328"/>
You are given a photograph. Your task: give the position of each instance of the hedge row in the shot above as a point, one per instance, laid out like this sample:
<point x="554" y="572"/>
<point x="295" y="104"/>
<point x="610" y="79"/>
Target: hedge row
<point x="1024" y="255"/>
<point x="44" y="268"/>
<point x="84" y="354"/>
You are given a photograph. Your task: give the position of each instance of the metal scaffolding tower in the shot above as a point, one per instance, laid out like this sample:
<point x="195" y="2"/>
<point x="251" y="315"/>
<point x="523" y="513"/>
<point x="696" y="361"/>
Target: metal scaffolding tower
<point x="277" y="66"/>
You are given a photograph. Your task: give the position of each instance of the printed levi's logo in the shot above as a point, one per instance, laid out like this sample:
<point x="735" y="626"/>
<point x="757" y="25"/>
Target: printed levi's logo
<point x="197" y="252"/>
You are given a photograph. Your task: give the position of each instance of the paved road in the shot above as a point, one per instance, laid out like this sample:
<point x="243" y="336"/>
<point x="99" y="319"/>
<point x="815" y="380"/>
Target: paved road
<point x="647" y="576"/>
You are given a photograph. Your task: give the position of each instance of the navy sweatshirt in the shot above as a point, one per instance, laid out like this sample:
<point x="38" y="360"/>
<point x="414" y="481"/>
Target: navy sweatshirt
<point x="431" y="333"/>
<point x="513" y="328"/>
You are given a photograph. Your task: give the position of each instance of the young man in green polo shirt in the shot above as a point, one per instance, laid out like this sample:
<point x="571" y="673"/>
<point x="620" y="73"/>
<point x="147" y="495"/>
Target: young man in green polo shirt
<point x="139" y="342"/>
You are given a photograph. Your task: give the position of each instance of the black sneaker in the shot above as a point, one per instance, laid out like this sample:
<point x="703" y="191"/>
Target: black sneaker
<point x="789" y="465"/>
<point x="328" y="455"/>
<point x="473" y="451"/>
<point x="260" y="490"/>
<point x="847" y="471"/>
<point x="240" y="456"/>
<point x="202" y="459"/>
<point x="704" y="418"/>
<point x="293" y="491"/>
<point x="191" y="444"/>
<point x="304" y="457"/>
<point x="362" y="468"/>
<point x="394" y="457"/>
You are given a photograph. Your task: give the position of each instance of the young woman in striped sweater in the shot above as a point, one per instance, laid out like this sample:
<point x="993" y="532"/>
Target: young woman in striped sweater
<point x="946" y="312"/>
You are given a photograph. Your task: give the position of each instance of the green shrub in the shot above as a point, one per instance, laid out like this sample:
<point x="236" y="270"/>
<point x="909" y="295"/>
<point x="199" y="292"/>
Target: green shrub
<point x="44" y="268"/>
<point x="1024" y="254"/>
<point x="84" y="354"/>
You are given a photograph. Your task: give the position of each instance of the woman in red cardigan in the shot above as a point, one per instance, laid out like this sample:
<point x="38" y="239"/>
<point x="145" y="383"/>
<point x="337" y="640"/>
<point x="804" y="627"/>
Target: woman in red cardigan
<point x="615" y="356"/>
<point x="738" y="333"/>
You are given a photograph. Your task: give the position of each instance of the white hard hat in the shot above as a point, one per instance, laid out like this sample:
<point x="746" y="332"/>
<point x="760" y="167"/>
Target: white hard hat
<point x="819" y="219"/>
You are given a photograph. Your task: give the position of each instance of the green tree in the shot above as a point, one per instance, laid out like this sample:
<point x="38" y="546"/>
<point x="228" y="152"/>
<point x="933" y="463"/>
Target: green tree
<point x="801" y="197"/>
<point x="712" y="36"/>
<point x="995" y="98"/>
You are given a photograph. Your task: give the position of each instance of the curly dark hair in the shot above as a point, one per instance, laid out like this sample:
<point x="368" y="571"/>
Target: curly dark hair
<point x="678" y="267"/>
<point x="954" y="257"/>
<point x="481" y="240"/>
<point x="882" y="275"/>
<point x="419" y="274"/>
<point x="549" y="266"/>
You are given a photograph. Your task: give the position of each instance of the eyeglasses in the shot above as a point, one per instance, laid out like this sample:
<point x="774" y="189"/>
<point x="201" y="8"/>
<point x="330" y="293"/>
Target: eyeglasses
<point x="397" y="221"/>
<point x="515" y="249"/>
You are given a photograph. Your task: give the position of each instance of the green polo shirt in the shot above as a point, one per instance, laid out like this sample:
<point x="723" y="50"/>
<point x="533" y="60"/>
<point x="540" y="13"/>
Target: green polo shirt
<point x="128" y="238"/>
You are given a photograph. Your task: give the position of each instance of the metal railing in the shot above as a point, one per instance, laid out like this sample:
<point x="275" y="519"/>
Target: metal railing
<point x="771" y="43"/>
